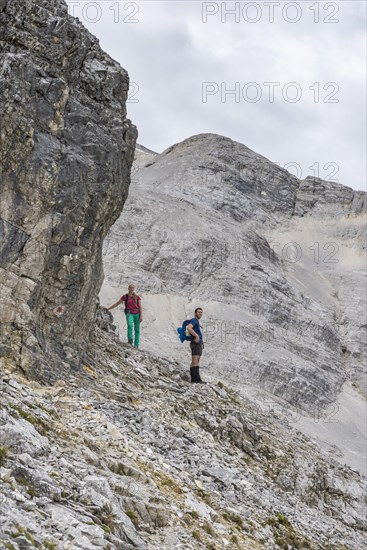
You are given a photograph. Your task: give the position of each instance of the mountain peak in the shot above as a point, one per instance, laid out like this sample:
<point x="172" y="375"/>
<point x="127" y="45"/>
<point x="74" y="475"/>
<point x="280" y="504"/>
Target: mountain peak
<point x="207" y="141"/>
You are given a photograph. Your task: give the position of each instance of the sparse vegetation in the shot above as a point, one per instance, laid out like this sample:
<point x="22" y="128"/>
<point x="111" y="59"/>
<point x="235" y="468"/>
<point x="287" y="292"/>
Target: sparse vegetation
<point x="22" y="531"/>
<point x="164" y="482"/>
<point x="132" y="515"/>
<point x="209" y="529"/>
<point x="38" y="423"/>
<point x="285" y="535"/>
<point x="234" y="518"/>
<point x="50" y="545"/>
<point x="196" y="535"/>
<point x="234" y="540"/>
<point x="4" y="451"/>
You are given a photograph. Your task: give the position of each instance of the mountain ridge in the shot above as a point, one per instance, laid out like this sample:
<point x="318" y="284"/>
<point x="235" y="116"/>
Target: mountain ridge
<point x="277" y="286"/>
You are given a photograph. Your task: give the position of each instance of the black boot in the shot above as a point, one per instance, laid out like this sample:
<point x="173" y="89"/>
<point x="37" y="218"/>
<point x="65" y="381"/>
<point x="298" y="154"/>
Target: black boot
<point x="195" y="376"/>
<point x="192" y="374"/>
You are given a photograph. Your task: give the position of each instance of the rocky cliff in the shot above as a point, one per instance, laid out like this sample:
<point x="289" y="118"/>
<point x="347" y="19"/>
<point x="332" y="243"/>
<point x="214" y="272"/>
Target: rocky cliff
<point x="66" y="154"/>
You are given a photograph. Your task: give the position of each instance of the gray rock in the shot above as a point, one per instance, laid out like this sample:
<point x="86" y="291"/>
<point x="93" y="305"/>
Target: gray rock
<point x="21" y="436"/>
<point x="64" y="114"/>
<point x="276" y="263"/>
<point x="23" y="542"/>
<point x="318" y="197"/>
<point x="39" y="481"/>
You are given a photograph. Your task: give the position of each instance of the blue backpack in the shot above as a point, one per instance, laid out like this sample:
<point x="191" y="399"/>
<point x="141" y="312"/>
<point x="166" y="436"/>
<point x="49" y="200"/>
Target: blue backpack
<point x="182" y="334"/>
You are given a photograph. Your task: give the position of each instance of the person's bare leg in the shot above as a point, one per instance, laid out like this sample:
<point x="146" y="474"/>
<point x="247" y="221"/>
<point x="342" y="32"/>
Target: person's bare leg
<point x="195" y="360"/>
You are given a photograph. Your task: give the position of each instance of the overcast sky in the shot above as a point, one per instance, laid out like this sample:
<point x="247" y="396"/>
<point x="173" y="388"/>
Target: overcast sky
<point x="296" y="71"/>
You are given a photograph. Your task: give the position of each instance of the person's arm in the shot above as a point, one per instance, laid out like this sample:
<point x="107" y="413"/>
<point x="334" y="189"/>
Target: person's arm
<point x="191" y="331"/>
<point x="115" y="305"/>
<point x="140" y="311"/>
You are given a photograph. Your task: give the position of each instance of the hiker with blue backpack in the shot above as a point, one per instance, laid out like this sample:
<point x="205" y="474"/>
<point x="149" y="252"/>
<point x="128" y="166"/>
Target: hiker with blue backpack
<point x="191" y="330"/>
<point x="134" y="314"/>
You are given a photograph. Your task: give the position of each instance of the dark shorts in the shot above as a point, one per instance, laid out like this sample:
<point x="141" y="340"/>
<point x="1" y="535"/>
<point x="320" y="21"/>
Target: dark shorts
<point x="196" y="349"/>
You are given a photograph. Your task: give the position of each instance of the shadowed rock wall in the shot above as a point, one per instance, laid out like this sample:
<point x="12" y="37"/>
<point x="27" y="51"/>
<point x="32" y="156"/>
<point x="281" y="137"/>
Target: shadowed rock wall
<point x="66" y="154"/>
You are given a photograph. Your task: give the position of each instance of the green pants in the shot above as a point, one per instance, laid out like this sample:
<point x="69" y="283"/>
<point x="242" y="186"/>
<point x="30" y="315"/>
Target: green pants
<point x="133" y="322"/>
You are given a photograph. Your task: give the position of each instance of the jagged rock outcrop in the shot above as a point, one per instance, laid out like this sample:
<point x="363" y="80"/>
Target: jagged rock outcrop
<point x="315" y="196"/>
<point x="66" y="154"/>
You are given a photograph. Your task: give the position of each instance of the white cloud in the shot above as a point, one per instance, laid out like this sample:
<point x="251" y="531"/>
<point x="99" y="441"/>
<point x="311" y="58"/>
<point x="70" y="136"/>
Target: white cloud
<point x="170" y="52"/>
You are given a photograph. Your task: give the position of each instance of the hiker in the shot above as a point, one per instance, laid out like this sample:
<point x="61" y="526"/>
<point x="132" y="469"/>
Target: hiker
<point x="196" y="345"/>
<point x="134" y="314"/>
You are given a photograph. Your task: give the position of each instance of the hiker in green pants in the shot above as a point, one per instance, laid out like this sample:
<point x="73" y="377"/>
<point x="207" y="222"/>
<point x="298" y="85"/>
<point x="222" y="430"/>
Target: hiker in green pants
<point x="134" y="314"/>
<point x="133" y="325"/>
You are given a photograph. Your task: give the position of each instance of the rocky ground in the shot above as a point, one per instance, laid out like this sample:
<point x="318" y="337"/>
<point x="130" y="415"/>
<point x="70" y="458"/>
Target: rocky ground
<point x="127" y="454"/>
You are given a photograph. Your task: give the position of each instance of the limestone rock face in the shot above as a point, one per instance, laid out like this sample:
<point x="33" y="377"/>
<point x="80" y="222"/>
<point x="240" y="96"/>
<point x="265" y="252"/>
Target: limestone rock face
<point x="316" y="196"/>
<point x="277" y="264"/>
<point x="66" y="154"/>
